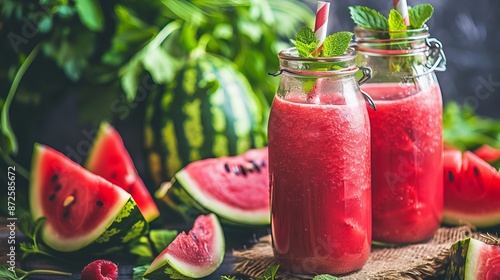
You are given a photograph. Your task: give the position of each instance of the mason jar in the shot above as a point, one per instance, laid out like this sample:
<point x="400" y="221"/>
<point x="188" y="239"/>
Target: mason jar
<point x="319" y="165"/>
<point x="406" y="132"/>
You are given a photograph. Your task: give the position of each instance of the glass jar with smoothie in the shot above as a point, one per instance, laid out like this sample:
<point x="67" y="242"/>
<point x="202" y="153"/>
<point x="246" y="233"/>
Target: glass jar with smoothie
<point x="319" y="165"/>
<point x="406" y="133"/>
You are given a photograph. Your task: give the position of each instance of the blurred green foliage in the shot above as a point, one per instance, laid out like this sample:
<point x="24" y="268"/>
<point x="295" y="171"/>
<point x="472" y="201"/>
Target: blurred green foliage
<point x="103" y="48"/>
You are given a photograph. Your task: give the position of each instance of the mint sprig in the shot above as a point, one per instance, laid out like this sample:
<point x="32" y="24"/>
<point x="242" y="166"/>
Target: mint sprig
<point x="334" y="45"/>
<point x="371" y="19"/>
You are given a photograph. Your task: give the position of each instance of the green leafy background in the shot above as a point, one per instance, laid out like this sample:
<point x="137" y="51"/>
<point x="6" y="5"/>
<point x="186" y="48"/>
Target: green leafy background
<point x="79" y="62"/>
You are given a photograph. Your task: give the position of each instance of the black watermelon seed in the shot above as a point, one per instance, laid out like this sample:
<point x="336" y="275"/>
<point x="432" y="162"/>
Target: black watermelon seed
<point x="57" y="188"/>
<point x="243" y="170"/>
<point x="263" y="163"/>
<point x="54" y="177"/>
<point x="52" y="197"/>
<point x="194" y="236"/>
<point x="226" y="166"/>
<point x="451" y="177"/>
<point x="476" y="171"/>
<point x="255" y="165"/>
<point x="66" y="214"/>
<point x="130" y="188"/>
<point x="113" y="175"/>
<point x="99" y="203"/>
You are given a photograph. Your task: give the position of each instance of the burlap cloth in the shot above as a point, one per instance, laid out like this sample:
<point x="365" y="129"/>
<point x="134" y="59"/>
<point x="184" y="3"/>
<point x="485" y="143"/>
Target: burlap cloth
<point x="416" y="261"/>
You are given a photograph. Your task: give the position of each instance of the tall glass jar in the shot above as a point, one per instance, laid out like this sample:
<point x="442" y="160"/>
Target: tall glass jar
<point x="406" y="132"/>
<point x="319" y="165"/>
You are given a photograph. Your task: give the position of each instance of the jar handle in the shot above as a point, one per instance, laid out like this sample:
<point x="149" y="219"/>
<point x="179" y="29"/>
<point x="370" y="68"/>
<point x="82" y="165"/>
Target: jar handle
<point x="367" y="74"/>
<point x="436" y="54"/>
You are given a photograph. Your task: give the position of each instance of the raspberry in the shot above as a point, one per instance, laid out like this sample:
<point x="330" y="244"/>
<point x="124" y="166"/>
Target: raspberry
<point x="100" y="270"/>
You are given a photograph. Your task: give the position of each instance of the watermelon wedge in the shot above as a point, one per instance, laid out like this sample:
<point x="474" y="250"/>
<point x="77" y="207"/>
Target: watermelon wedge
<point x="472" y="259"/>
<point x="235" y="188"/>
<point x="195" y="254"/>
<point x="81" y="209"/>
<point x="471" y="190"/>
<point x="110" y="159"/>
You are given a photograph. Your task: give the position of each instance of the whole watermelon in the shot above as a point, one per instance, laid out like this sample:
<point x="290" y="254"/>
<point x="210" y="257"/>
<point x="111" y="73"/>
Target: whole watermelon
<point x="210" y="110"/>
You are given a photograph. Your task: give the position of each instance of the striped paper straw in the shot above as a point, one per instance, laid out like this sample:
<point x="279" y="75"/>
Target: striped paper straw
<point x="402" y="8"/>
<point x="321" y="24"/>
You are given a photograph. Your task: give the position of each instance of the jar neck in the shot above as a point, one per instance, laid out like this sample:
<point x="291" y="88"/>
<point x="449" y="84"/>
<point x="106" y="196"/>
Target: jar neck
<point x="380" y="42"/>
<point x="292" y="64"/>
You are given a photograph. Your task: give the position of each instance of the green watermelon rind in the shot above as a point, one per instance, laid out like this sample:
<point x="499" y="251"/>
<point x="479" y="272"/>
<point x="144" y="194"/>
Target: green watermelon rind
<point x="179" y="200"/>
<point x="116" y="226"/>
<point x="150" y="212"/>
<point x="480" y="220"/>
<point x="167" y="261"/>
<point x="224" y="211"/>
<point x="167" y="131"/>
<point x="464" y="257"/>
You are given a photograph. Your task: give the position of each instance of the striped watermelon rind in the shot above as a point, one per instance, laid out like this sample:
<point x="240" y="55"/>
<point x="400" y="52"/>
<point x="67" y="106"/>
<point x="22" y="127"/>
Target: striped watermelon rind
<point x="210" y="110"/>
<point x="121" y="224"/>
<point x="472" y="259"/>
<point x="195" y="254"/>
<point x="177" y="198"/>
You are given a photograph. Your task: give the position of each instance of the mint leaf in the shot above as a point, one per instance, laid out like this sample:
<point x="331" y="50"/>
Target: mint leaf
<point x="306" y="42"/>
<point x="419" y="15"/>
<point x="336" y="44"/>
<point x="396" y="23"/>
<point x="325" y="277"/>
<point x="368" y="18"/>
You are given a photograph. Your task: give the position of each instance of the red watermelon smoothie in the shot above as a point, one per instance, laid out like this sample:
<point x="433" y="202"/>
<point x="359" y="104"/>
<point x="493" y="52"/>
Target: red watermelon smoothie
<point x="319" y="163"/>
<point x="407" y="166"/>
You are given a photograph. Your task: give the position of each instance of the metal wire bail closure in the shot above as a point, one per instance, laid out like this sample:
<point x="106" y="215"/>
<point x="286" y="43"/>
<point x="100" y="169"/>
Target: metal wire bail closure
<point x="367" y="74"/>
<point x="436" y="58"/>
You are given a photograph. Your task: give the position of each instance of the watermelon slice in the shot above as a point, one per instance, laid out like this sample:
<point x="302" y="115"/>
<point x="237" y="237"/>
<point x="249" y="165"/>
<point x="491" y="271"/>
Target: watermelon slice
<point x="471" y="190"/>
<point x="488" y="153"/>
<point x="195" y="254"/>
<point x="110" y="159"/>
<point x="235" y="188"/>
<point x="472" y="259"/>
<point x="81" y="209"/>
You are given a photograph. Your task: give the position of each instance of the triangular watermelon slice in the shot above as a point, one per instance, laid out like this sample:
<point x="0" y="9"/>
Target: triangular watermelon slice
<point x="80" y="208"/>
<point x="195" y="254"/>
<point x="235" y="188"/>
<point x="471" y="190"/>
<point x="110" y="159"/>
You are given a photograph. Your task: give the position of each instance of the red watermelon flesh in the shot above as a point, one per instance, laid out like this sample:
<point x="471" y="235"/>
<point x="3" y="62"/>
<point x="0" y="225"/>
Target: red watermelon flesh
<point x="488" y="153"/>
<point x="473" y="196"/>
<point x="235" y="187"/>
<point x="197" y="253"/>
<point x="110" y="159"/>
<point x="78" y="205"/>
<point x="472" y="259"/>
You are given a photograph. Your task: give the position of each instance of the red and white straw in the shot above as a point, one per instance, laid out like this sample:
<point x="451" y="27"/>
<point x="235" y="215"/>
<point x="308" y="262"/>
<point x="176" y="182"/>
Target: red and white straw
<point x="402" y="8"/>
<point x="321" y="24"/>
